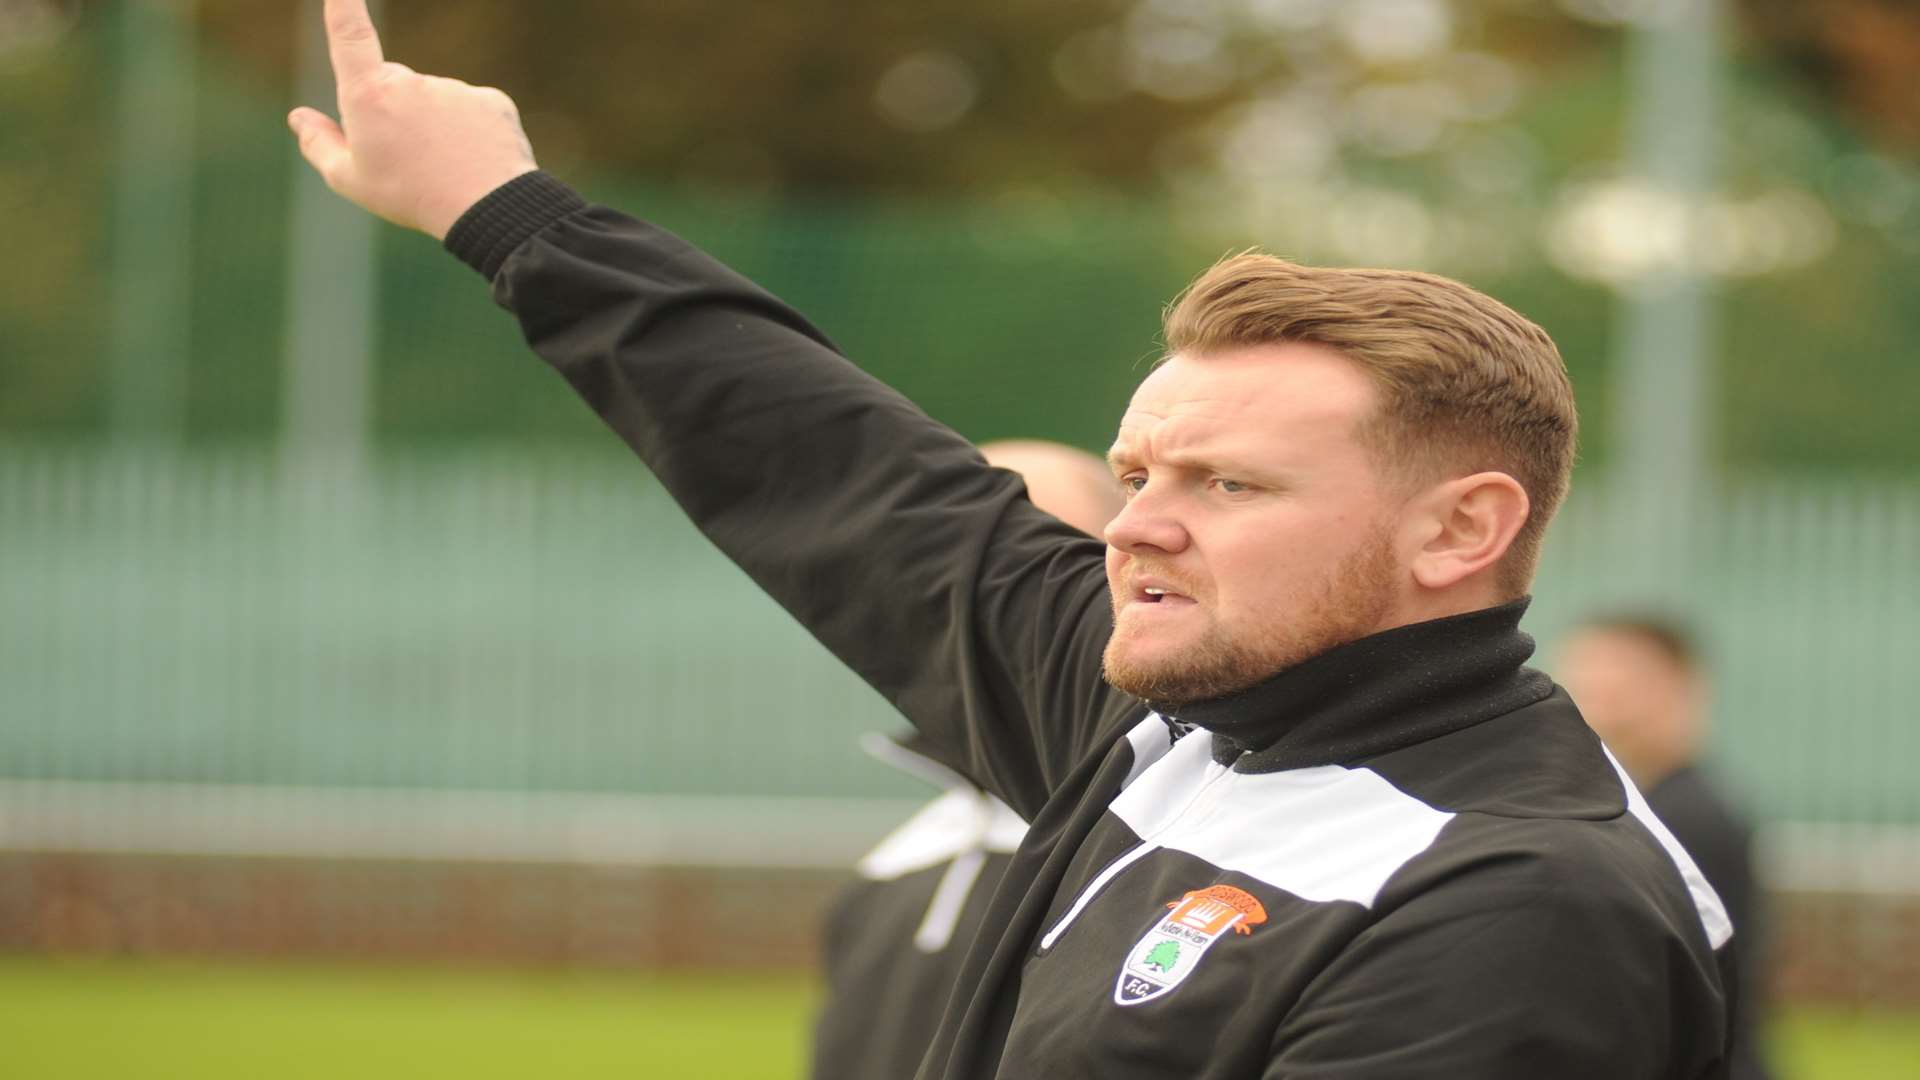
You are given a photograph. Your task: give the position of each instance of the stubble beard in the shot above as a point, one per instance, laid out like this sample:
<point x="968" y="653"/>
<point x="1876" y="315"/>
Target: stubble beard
<point x="1350" y="603"/>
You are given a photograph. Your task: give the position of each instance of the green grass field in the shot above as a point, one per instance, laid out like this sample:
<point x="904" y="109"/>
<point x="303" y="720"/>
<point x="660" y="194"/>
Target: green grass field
<point x="79" y="1020"/>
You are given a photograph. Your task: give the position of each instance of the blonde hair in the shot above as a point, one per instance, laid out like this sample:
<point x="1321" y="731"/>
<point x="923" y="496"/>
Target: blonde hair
<point x="1466" y="384"/>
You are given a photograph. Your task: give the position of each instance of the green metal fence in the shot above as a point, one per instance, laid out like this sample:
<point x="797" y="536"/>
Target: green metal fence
<point x="506" y="623"/>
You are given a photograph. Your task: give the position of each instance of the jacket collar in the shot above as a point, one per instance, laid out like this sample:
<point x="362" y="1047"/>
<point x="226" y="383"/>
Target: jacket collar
<point x="1374" y="695"/>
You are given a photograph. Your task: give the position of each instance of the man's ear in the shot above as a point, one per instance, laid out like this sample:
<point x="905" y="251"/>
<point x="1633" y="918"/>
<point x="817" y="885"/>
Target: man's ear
<point x="1466" y="526"/>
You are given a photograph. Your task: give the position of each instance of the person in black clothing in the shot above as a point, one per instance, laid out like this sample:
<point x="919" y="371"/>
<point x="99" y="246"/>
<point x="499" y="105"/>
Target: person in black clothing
<point x="1298" y="808"/>
<point x="1641" y="685"/>
<point x="894" y="940"/>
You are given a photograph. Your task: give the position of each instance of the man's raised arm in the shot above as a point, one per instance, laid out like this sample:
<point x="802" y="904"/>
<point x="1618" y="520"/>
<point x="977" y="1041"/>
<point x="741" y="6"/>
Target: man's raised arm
<point x="415" y="149"/>
<point x="883" y="532"/>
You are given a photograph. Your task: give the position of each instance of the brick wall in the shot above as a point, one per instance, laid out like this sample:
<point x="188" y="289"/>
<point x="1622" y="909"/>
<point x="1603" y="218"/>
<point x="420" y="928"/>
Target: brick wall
<point x="1828" y="946"/>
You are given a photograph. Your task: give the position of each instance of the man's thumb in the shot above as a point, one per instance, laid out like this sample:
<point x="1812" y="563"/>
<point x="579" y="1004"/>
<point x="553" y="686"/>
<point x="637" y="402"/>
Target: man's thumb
<point x="323" y="144"/>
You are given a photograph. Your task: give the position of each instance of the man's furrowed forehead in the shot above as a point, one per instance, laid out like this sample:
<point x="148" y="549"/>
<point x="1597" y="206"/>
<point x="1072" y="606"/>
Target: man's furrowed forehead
<point x="1251" y="404"/>
<point x="1183" y="437"/>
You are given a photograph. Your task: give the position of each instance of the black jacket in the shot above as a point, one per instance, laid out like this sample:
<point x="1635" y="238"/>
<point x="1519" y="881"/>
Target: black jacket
<point x="1718" y="837"/>
<point x="895" y="939"/>
<point x="1407" y="857"/>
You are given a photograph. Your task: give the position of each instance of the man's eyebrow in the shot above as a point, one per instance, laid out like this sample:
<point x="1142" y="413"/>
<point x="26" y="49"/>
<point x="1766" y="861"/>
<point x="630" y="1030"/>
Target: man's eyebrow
<point x="1210" y="454"/>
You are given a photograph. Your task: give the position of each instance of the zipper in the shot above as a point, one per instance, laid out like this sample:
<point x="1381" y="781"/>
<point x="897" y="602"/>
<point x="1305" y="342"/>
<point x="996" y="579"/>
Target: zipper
<point x="1134" y="854"/>
<point x="1126" y="859"/>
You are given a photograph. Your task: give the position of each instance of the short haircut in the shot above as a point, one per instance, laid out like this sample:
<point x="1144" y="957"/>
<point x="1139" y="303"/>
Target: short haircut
<point x="1668" y="636"/>
<point x="1466" y="384"/>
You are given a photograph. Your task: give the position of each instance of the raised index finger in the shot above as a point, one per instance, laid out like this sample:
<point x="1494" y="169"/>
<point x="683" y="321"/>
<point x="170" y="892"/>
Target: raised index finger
<point x="352" y="41"/>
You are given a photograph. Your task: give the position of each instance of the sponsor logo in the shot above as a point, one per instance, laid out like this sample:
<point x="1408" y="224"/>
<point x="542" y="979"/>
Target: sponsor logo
<point x="1168" y="953"/>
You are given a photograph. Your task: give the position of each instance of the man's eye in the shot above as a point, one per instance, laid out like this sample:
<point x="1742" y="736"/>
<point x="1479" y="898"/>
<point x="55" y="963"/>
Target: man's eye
<point x="1231" y="487"/>
<point x="1132" y="484"/>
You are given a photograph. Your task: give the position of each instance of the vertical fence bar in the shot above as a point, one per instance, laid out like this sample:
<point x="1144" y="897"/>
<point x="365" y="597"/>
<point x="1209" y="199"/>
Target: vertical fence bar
<point x="152" y="221"/>
<point x="331" y="297"/>
<point x="1666" y="334"/>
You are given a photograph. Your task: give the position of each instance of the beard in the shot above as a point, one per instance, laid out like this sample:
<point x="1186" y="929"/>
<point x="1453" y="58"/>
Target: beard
<point x="1349" y="603"/>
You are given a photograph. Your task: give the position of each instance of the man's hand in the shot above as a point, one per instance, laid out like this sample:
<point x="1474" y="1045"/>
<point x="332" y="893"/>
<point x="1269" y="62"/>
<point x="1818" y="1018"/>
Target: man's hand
<point x="415" y="149"/>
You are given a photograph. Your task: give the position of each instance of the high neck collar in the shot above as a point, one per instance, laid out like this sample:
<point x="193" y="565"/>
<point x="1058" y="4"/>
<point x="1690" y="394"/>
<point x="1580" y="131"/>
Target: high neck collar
<point x="1380" y="693"/>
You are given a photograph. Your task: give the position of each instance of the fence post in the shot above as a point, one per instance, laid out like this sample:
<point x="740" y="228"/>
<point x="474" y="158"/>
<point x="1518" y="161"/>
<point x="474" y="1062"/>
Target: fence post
<point x="152" y="222"/>
<point x="1665" y="339"/>
<point x="332" y="275"/>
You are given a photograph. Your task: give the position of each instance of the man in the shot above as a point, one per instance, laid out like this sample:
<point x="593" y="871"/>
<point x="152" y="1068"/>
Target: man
<point x="1641" y="687"/>
<point x="1297" y="807"/>
<point x="896" y="938"/>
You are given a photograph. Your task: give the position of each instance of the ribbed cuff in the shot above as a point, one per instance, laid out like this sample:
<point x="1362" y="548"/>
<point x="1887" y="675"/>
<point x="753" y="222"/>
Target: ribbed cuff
<point x="494" y="227"/>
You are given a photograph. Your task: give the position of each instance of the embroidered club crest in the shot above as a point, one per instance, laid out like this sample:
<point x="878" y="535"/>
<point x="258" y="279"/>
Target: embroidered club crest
<point x="1171" y="950"/>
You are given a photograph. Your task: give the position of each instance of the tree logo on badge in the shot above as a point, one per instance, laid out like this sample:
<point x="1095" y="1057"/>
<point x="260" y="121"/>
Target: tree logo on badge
<point x="1172" y="948"/>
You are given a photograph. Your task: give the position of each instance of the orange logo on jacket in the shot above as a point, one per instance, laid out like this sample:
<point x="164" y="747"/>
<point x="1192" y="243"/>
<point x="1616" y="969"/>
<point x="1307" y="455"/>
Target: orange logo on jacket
<point x="1173" y="947"/>
<point x="1212" y="909"/>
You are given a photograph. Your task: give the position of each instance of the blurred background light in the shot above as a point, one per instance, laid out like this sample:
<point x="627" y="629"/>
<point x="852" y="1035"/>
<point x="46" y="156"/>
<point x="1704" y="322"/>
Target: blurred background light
<point x="1621" y="231"/>
<point x="1400" y="119"/>
<point x="1378" y="227"/>
<point x="1278" y="140"/>
<point x="31" y="26"/>
<point x="1395" y="31"/>
<point x="1485" y="86"/>
<point x="1617" y="231"/>
<point x="1875" y="190"/>
<point x="927" y="91"/>
<point x="1288" y="15"/>
<point x="1621" y="12"/>
<point x="1178" y="51"/>
<point x="1783" y="229"/>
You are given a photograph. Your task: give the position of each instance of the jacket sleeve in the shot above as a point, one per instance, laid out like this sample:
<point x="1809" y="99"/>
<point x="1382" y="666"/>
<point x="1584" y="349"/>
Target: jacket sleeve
<point x="1510" y="972"/>
<point x="884" y="533"/>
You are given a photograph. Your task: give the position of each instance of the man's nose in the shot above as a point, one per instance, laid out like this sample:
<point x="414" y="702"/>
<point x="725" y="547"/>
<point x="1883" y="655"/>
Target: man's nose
<point x="1148" y="523"/>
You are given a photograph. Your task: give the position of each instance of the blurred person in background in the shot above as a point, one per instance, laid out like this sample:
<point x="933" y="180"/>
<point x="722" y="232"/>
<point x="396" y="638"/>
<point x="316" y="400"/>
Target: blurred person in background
<point x="1297" y="806"/>
<point x="895" y="939"/>
<point x="1640" y="682"/>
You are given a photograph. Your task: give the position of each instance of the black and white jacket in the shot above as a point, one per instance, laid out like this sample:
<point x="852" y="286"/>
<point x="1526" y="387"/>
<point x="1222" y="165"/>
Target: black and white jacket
<point x="1407" y="857"/>
<point x="897" y="937"/>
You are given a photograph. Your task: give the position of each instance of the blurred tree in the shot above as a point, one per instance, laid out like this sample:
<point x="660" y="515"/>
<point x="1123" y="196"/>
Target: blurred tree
<point x="941" y="96"/>
<point x="1863" y="54"/>
<point x="759" y="98"/>
<point x="868" y="96"/>
<point x="53" y="184"/>
<point x="958" y="187"/>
